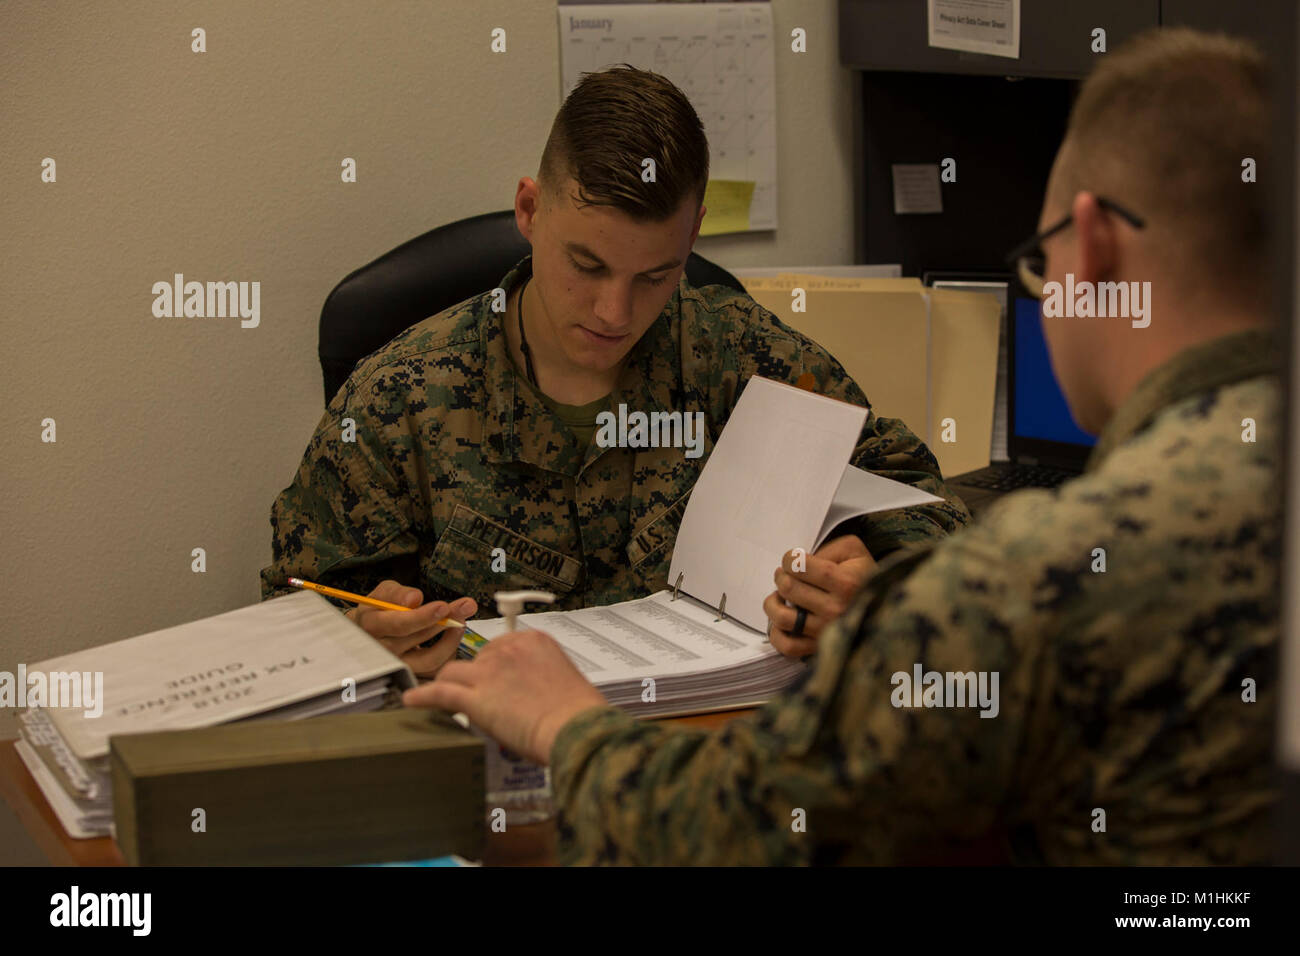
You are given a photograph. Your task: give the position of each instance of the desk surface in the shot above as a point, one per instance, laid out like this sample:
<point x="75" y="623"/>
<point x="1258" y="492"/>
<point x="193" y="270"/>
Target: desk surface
<point x="531" y="845"/>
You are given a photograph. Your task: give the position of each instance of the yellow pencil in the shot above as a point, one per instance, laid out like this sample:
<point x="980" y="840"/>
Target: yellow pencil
<point x="362" y="599"/>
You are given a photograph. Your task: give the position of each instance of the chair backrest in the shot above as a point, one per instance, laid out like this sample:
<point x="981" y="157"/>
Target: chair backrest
<point x="432" y="272"/>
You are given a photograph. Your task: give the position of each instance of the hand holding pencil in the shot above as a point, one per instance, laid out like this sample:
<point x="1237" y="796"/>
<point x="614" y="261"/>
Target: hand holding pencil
<point x="395" y="616"/>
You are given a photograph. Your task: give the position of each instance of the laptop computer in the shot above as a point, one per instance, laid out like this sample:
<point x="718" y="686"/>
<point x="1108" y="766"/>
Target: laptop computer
<point x="1044" y="445"/>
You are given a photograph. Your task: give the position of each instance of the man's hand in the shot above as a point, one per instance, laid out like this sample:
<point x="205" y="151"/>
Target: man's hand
<point x="402" y="632"/>
<point x="521" y="689"/>
<point x="832" y="578"/>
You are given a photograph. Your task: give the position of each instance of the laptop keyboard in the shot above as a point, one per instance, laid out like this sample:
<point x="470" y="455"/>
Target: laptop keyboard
<point x="1011" y="477"/>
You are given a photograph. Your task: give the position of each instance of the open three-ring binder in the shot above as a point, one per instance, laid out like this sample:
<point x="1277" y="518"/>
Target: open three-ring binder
<point x="778" y="478"/>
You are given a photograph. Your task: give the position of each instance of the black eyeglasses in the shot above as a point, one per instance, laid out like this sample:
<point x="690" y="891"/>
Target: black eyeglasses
<point x="1028" y="257"/>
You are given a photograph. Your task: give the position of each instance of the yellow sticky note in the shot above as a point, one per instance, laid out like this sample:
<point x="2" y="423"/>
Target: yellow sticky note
<point x="726" y="203"/>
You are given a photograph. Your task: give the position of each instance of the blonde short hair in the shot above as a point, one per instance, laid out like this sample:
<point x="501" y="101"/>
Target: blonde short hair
<point x="1163" y="125"/>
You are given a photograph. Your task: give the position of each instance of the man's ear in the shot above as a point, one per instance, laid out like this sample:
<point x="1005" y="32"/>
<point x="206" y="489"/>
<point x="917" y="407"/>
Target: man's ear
<point x="528" y="198"/>
<point x="699" y="220"/>
<point x="1096" y="238"/>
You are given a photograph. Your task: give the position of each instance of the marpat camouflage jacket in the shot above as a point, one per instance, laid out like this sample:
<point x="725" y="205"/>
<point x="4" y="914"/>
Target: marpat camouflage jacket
<point x="1131" y="617"/>
<point x="454" y="458"/>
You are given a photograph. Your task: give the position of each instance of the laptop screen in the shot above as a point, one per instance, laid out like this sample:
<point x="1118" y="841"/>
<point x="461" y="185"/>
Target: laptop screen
<point x="1039" y="411"/>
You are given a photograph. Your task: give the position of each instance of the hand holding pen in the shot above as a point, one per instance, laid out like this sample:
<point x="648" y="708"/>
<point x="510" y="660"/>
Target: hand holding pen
<point x="424" y="636"/>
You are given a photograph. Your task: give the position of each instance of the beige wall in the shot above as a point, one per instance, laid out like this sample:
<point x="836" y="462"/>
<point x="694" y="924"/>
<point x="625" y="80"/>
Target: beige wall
<point x="178" y="433"/>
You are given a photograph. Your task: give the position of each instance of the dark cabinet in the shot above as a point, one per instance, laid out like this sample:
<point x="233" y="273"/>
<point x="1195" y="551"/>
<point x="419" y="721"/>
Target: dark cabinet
<point x="1263" y="21"/>
<point x="1055" y="37"/>
<point x="918" y="104"/>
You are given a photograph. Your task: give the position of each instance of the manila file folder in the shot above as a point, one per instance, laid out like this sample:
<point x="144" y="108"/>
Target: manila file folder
<point x="926" y="356"/>
<point x="875" y="328"/>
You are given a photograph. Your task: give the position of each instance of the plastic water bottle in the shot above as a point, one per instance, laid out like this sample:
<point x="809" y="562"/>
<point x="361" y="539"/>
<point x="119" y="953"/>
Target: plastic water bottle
<point x="513" y="784"/>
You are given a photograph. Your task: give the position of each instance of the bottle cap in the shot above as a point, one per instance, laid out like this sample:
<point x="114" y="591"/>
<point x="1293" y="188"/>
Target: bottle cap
<point x="510" y="603"/>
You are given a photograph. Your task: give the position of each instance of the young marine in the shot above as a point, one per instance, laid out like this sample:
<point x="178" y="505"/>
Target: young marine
<point x="476" y="465"/>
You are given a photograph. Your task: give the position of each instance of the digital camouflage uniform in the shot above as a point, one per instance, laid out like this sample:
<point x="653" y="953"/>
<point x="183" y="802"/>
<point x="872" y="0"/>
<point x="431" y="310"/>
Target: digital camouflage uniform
<point x="1120" y="690"/>
<point x="454" y="457"/>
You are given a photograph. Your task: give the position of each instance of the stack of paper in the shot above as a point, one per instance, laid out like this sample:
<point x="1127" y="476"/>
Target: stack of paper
<point x="288" y="658"/>
<point x="659" y="656"/>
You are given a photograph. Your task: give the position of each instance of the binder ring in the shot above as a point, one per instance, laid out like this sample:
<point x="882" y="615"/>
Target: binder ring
<point x="722" y="607"/>
<point x="677" y="585"/>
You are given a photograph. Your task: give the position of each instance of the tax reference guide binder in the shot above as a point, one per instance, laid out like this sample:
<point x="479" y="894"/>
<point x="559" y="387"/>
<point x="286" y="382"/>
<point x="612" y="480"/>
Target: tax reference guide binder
<point x="778" y="478"/>
<point x="287" y="658"/>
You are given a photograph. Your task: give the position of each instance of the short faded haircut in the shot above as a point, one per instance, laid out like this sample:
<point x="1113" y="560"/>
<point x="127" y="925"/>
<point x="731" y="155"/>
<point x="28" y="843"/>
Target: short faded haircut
<point x="1162" y="126"/>
<point x="608" y="125"/>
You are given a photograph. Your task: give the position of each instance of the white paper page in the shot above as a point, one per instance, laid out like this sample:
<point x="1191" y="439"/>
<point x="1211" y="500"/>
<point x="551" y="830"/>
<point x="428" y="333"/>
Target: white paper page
<point x="38" y="729"/>
<point x="862" y="493"/>
<point x="764" y="490"/>
<point x="991" y="27"/>
<point x="370" y="696"/>
<point x="650" y="637"/>
<point x="916" y="188"/>
<point x="79" y="824"/>
<point x="218" y="669"/>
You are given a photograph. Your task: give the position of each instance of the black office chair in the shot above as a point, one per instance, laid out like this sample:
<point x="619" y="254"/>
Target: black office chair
<point x="430" y="273"/>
